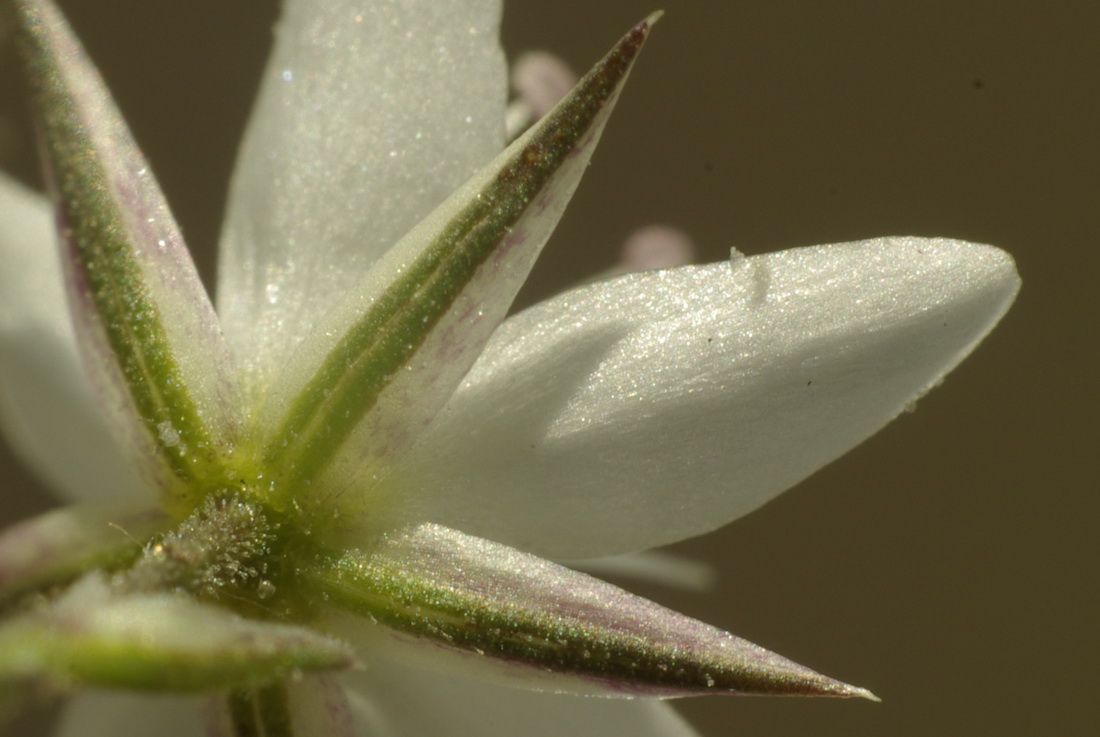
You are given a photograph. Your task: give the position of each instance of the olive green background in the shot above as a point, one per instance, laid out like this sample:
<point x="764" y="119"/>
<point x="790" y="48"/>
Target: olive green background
<point x="949" y="563"/>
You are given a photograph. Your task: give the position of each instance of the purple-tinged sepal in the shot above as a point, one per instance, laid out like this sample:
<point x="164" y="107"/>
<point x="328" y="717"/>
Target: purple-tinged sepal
<point x="539" y="624"/>
<point x="58" y="546"/>
<point x="148" y="332"/>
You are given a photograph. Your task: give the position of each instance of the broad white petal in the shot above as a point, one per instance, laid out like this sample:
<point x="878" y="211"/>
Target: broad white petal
<point x="664" y="404"/>
<point x="369" y="115"/>
<point x="382" y="363"/>
<point x="47" y="409"/>
<point x="391" y="699"/>
<point x="120" y="714"/>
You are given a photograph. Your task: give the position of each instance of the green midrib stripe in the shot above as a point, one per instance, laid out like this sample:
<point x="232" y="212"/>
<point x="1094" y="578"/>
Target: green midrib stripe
<point x="382" y="592"/>
<point x="359" y="368"/>
<point x="130" y="317"/>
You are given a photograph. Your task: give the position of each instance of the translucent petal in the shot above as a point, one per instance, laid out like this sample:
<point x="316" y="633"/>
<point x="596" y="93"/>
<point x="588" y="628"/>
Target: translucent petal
<point x="662" y="405"/>
<point x="392" y="699"/>
<point x="369" y="115"/>
<point x="47" y="409"/>
<point x="149" y="335"/>
<point x="653" y="566"/>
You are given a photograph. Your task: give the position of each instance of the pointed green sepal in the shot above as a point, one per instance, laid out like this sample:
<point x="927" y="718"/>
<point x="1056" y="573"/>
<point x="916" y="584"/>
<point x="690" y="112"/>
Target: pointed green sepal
<point x="94" y="636"/>
<point x="58" y="546"/>
<point x="148" y="332"/>
<point x="383" y="363"/>
<point x="556" y="628"/>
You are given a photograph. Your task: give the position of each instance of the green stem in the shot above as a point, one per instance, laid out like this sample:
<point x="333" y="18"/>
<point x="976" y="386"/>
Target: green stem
<point x="261" y="712"/>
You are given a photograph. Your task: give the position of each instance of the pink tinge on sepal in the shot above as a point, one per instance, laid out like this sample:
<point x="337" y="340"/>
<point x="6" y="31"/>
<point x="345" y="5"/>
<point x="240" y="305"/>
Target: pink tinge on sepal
<point x="143" y="320"/>
<point x="514" y="617"/>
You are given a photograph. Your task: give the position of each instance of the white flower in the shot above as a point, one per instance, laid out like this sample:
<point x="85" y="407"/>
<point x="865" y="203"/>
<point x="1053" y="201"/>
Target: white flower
<point x="331" y="471"/>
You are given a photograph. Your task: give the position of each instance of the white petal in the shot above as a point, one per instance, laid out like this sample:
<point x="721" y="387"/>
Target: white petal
<point x="370" y="114"/>
<point x="653" y="566"/>
<point x="380" y="365"/>
<point x="394" y="700"/>
<point x="115" y="714"/>
<point x="665" y="404"/>
<point x="47" y="408"/>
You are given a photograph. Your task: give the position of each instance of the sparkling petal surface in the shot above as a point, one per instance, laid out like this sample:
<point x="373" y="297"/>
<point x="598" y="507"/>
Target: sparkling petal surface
<point x="640" y="382"/>
<point x="364" y="385"/>
<point x="47" y="408"/>
<point x="370" y="114"/>
<point x="665" y="404"/>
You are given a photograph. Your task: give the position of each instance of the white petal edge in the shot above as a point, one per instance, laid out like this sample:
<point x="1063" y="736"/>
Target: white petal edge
<point x="47" y="409"/>
<point x="369" y="115"/>
<point x="662" y="405"/>
<point x="652" y="566"/>
<point x="391" y="699"/>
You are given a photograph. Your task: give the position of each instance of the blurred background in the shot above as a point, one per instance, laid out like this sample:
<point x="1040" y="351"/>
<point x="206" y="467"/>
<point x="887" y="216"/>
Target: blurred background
<point x="949" y="563"/>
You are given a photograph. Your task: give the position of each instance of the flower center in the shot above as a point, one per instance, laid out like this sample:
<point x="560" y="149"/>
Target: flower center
<point x="231" y="549"/>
